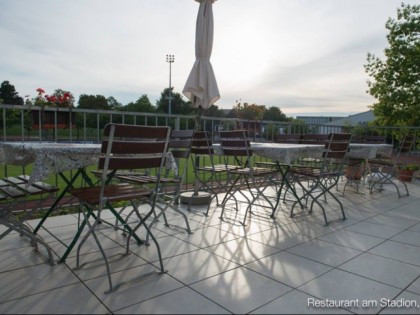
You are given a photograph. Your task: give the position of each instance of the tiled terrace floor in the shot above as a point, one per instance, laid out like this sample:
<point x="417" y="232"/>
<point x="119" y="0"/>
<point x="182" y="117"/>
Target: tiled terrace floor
<point x="269" y="266"/>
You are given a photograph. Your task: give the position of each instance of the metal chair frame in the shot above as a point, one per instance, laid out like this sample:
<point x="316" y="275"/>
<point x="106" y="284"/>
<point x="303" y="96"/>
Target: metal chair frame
<point x="16" y="192"/>
<point x="386" y="167"/>
<point x="236" y="144"/>
<point x="124" y="148"/>
<point x="210" y="176"/>
<point x="324" y="178"/>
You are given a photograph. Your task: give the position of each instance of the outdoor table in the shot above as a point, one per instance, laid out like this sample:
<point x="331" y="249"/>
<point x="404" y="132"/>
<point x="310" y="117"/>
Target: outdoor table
<point x="283" y="154"/>
<point x="50" y="157"/>
<point x="286" y="153"/>
<point x="367" y="151"/>
<point x="56" y="158"/>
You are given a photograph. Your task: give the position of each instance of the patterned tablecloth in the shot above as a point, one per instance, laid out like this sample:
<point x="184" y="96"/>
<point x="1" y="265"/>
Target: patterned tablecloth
<point x="369" y="150"/>
<point x="288" y="152"/>
<point x="51" y="158"/>
<point x="282" y="152"/>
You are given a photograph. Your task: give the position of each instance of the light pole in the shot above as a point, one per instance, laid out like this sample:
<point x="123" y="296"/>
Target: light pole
<point x="170" y="59"/>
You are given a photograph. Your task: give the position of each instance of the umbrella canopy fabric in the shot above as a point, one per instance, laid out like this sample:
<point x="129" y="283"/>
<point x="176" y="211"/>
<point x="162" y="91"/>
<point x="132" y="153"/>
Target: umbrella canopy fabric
<point x="201" y="86"/>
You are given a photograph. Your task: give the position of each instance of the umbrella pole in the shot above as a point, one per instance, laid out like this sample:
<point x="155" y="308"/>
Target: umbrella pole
<point x="198" y="118"/>
<point x="196" y="197"/>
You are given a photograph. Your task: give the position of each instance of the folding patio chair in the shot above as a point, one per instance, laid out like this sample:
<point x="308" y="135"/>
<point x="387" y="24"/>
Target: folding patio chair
<point x="210" y="177"/>
<point x="355" y="170"/>
<point x="172" y="180"/>
<point x="19" y="200"/>
<point x="384" y="169"/>
<point x="246" y="176"/>
<point x="325" y="177"/>
<point x="124" y="148"/>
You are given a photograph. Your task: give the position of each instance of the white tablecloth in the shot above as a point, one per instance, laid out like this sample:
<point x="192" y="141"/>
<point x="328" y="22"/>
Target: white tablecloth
<point x="288" y="152"/>
<point x="282" y="152"/>
<point x="369" y="150"/>
<point x="51" y="158"/>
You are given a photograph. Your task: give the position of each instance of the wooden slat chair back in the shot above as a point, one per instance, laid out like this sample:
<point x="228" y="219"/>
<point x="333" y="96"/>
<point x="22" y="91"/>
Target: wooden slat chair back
<point x="173" y="177"/>
<point x="356" y="139"/>
<point x="288" y="138"/>
<point x="314" y="138"/>
<point x="237" y="145"/>
<point x="125" y="148"/>
<point x="374" y="139"/>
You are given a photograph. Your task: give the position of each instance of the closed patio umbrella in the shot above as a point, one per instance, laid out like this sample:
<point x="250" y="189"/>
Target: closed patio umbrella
<point x="201" y="86"/>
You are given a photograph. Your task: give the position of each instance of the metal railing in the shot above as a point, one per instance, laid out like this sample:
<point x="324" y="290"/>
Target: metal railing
<point x="17" y="124"/>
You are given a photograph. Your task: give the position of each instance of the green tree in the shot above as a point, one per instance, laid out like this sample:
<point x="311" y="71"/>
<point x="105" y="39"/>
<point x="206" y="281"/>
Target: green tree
<point x="249" y="111"/>
<point x="178" y="105"/>
<point x="113" y="103"/>
<point x="275" y="114"/>
<point x="9" y="95"/>
<point x="143" y="105"/>
<point x="214" y="111"/>
<point x="396" y="79"/>
<point x="94" y="102"/>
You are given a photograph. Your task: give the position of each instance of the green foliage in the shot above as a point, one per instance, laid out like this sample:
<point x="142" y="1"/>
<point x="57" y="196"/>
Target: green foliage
<point x="298" y="126"/>
<point x="249" y="111"/>
<point x="214" y="111"/>
<point x="396" y="79"/>
<point x="409" y="167"/>
<point x="8" y="94"/>
<point x="275" y="114"/>
<point x="113" y="103"/>
<point x="93" y="102"/>
<point x="141" y="105"/>
<point x="178" y="105"/>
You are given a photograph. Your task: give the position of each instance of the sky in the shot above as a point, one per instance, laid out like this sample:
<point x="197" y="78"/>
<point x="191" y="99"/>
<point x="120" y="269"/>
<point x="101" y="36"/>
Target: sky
<point x="304" y="56"/>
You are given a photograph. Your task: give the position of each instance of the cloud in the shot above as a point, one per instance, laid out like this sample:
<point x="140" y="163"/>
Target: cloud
<point x="296" y="54"/>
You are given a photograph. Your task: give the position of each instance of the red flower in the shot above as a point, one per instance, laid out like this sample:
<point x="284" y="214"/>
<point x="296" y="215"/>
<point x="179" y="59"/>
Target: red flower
<point x="63" y="100"/>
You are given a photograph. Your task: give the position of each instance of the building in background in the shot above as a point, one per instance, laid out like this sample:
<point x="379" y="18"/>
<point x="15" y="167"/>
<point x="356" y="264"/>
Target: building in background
<point x="318" y="120"/>
<point x="354" y="120"/>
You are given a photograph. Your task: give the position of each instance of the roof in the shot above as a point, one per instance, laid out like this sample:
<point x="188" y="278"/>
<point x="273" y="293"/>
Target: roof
<point x="356" y="119"/>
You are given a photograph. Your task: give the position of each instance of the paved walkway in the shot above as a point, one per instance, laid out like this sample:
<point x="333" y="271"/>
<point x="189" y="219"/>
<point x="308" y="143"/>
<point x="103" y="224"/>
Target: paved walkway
<point x="369" y="263"/>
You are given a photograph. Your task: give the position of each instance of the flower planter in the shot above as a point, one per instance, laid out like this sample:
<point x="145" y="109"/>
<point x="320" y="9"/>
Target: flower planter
<point x="405" y="175"/>
<point x="46" y="119"/>
<point x="353" y="172"/>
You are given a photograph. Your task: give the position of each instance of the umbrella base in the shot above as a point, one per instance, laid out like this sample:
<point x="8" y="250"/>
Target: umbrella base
<point x="201" y="198"/>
